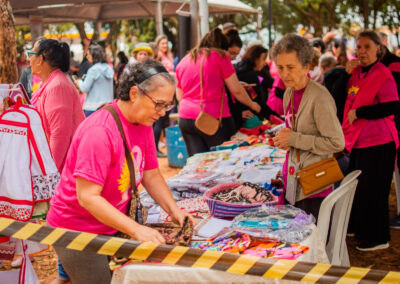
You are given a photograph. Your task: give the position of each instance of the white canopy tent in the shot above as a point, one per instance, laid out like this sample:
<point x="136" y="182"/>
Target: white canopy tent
<point x="62" y="11"/>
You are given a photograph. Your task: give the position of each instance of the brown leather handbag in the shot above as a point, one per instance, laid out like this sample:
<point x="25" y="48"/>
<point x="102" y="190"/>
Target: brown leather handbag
<point x="172" y="233"/>
<point x="318" y="175"/>
<point x="205" y="122"/>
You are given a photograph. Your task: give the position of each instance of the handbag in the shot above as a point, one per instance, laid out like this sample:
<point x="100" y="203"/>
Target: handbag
<point x="319" y="175"/>
<point x="172" y="233"/>
<point x="314" y="177"/>
<point x="205" y="122"/>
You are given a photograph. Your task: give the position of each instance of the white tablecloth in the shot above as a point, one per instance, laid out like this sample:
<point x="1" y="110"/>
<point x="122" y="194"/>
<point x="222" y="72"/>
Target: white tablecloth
<point x="154" y="273"/>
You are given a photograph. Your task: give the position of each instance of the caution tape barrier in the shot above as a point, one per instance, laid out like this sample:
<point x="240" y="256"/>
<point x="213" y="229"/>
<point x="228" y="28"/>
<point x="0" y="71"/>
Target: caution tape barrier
<point x="184" y="256"/>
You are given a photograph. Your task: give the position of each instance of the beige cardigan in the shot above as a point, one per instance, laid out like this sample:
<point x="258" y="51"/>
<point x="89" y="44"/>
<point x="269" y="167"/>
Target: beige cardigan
<point x="319" y="134"/>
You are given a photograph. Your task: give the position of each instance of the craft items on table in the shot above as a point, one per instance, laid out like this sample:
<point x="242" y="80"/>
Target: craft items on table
<point x="239" y="242"/>
<point x="260" y="164"/>
<point x="231" y="199"/>
<point x="282" y="222"/>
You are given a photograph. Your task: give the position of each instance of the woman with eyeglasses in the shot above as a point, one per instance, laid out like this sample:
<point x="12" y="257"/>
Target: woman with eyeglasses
<point x="94" y="193"/>
<point x="56" y="99"/>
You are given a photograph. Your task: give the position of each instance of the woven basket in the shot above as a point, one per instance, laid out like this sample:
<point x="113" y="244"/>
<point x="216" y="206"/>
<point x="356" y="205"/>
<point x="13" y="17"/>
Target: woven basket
<point x="221" y="209"/>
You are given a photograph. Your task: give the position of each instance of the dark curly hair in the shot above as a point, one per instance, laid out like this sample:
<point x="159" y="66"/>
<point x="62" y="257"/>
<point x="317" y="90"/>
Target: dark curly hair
<point x="375" y="38"/>
<point x="55" y="53"/>
<point x="98" y="54"/>
<point x="131" y="74"/>
<point x="253" y="53"/>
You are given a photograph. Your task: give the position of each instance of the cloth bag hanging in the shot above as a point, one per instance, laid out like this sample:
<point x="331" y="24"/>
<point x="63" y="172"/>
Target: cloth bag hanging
<point x="28" y="174"/>
<point x="205" y="122"/>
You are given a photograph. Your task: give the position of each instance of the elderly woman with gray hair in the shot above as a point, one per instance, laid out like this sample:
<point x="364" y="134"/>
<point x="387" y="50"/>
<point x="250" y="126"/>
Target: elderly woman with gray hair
<point x="312" y="131"/>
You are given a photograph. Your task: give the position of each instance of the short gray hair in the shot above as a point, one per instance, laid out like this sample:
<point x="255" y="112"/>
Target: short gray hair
<point x="294" y="43"/>
<point x="327" y="60"/>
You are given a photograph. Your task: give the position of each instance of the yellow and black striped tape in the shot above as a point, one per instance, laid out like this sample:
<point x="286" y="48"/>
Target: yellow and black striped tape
<point x="184" y="256"/>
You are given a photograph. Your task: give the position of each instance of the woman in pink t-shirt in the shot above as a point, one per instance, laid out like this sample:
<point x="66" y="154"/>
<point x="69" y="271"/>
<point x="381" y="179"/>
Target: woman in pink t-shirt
<point x="217" y="71"/>
<point x="94" y="192"/>
<point x="371" y="142"/>
<point x="56" y="99"/>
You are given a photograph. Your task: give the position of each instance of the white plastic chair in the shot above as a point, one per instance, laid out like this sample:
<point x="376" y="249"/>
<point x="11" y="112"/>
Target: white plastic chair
<point x="340" y="201"/>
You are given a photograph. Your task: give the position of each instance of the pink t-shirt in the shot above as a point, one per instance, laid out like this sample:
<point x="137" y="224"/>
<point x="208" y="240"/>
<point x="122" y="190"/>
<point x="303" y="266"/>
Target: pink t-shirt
<point x="215" y="70"/>
<point x="376" y="132"/>
<point x="97" y="154"/>
<point x="58" y="103"/>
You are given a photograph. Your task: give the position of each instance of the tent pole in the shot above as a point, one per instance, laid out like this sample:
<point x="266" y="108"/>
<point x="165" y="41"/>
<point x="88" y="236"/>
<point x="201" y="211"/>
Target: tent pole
<point x="194" y="23"/>
<point x="159" y="25"/>
<point x="203" y="13"/>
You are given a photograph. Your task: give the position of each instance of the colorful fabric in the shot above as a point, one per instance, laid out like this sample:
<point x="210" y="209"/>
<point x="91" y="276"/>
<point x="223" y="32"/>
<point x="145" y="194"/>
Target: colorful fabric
<point x="244" y="193"/>
<point x="215" y="70"/>
<point x="259" y="130"/>
<point x="364" y="90"/>
<point x="97" y="154"/>
<point x="58" y="103"/>
<point x="195" y="206"/>
<point x="242" y="243"/>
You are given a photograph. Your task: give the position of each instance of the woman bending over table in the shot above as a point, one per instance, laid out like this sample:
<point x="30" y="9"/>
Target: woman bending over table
<point x="316" y="133"/>
<point x="94" y="192"/>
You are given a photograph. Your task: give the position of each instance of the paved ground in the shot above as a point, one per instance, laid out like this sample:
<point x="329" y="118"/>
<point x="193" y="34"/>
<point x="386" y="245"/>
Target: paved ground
<point x="46" y="264"/>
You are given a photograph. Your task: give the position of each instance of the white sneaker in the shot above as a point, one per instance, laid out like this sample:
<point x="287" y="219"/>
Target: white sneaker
<point x="371" y="246"/>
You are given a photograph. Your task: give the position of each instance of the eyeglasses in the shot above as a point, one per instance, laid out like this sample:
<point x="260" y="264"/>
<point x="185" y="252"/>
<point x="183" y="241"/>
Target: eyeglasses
<point x="158" y="105"/>
<point x="32" y="53"/>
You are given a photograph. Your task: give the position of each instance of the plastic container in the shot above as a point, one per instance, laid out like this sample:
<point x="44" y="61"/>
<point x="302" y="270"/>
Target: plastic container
<point x="176" y="148"/>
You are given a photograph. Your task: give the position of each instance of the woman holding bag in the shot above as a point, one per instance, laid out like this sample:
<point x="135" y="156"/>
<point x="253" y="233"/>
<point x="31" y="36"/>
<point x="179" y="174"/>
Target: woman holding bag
<point x="313" y="132"/>
<point x="202" y="75"/>
<point x="95" y="190"/>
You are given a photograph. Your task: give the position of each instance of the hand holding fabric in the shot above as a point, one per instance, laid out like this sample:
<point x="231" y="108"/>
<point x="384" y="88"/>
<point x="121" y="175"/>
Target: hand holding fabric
<point x="179" y="215"/>
<point x="146" y="234"/>
<point x="247" y="114"/>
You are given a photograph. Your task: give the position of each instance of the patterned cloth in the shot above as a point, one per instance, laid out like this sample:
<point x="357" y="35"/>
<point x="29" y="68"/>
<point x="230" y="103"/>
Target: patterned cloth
<point x="237" y="242"/>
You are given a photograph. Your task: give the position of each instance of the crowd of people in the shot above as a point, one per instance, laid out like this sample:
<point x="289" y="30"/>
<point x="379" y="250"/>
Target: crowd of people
<point x="332" y="102"/>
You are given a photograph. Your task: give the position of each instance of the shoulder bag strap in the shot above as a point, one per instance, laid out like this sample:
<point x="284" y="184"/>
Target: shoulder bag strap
<point x="128" y="156"/>
<point x="294" y="122"/>
<point x="201" y="91"/>
<point x="201" y="82"/>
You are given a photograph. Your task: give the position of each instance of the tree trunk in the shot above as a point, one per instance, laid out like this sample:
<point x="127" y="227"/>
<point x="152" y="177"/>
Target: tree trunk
<point x="8" y="45"/>
<point x="81" y="28"/>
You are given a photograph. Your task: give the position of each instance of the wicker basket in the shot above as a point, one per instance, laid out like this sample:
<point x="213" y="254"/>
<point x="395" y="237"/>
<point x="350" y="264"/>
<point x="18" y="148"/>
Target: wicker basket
<point x="221" y="209"/>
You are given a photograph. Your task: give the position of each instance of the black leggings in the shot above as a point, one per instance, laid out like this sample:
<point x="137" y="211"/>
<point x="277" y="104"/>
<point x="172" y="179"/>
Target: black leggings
<point x="158" y="126"/>
<point x="369" y="218"/>
<point x="198" y="142"/>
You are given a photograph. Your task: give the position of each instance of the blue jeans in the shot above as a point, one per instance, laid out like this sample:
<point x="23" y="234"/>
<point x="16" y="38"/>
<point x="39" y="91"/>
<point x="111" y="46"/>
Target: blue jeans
<point x="61" y="272"/>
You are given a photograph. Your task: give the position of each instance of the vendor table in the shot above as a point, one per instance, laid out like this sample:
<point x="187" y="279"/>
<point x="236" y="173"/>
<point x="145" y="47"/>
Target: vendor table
<point x="158" y="273"/>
